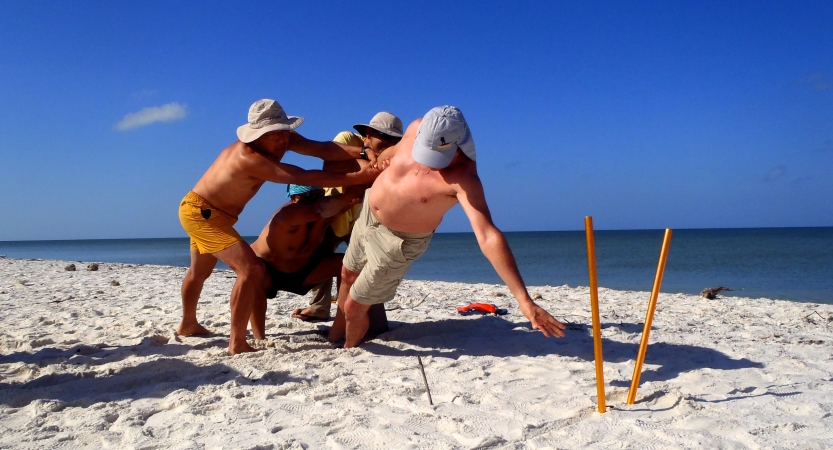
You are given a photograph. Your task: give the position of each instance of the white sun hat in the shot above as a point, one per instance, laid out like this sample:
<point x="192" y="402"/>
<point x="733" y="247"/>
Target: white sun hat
<point x="383" y="122"/>
<point x="264" y="116"/>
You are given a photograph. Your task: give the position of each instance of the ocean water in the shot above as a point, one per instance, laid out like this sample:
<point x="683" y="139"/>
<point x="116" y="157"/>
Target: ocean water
<point x="780" y="263"/>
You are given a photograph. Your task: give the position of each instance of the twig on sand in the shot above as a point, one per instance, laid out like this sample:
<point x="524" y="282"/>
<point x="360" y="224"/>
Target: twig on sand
<point x="410" y="307"/>
<point x="60" y="300"/>
<point x="425" y="380"/>
<point x="814" y="312"/>
<point x="808" y="319"/>
<point x="420" y="302"/>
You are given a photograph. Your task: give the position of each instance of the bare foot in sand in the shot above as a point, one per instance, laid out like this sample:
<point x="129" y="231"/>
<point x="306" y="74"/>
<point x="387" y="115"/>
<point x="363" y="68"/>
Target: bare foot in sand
<point x="192" y="329"/>
<point x="337" y="331"/>
<point x="336" y="334"/>
<point x="306" y="315"/>
<point x="241" y="348"/>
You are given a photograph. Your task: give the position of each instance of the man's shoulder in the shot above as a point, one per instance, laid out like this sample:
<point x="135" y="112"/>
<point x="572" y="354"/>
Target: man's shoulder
<point x="462" y="177"/>
<point x="464" y="169"/>
<point x="235" y="148"/>
<point x="241" y="150"/>
<point x="349" y="138"/>
<point x="292" y="214"/>
<point x="287" y="210"/>
<point x="238" y="158"/>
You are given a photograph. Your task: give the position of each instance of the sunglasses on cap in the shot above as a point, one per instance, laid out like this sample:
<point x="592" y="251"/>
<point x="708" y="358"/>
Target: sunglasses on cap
<point x="382" y="136"/>
<point x="312" y="196"/>
<point x="307" y="196"/>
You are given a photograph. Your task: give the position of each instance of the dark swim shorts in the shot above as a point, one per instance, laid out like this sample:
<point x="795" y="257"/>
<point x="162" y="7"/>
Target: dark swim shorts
<point x="294" y="282"/>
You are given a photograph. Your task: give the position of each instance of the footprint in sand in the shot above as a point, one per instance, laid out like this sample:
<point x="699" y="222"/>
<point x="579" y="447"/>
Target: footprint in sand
<point x="422" y="423"/>
<point x="294" y="408"/>
<point x="647" y="425"/>
<point x="360" y="438"/>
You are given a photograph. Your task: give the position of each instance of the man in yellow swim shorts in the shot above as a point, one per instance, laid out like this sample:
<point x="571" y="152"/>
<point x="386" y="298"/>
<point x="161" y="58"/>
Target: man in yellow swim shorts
<point x="208" y="213"/>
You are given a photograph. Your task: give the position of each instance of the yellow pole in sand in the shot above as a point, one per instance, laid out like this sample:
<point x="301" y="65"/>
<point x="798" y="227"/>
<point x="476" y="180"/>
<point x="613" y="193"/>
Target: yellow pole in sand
<point x="594" y="309"/>
<point x="652" y="304"/>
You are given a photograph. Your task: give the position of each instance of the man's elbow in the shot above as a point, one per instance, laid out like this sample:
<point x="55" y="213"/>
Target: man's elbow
<point x="489" y="238"/>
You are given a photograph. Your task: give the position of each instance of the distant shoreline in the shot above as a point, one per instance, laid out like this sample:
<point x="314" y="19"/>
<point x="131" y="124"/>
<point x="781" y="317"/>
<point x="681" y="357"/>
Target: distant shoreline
<point x="228" y="273"/>
<point x="253" y="237"/>
<point x="783" y="263"/>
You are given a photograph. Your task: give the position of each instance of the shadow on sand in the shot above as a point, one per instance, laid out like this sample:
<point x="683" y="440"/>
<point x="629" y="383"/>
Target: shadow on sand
<point x="84" y="382"/>
<point x="98" y="354"/>
<point x="490" y="335"/>
<point x="446" y="338"/>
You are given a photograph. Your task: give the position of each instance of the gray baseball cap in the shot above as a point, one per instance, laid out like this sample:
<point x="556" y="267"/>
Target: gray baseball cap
<point x="383" y="122"/>
<point x="264" y="116"/>
<point x="442" y="130"/>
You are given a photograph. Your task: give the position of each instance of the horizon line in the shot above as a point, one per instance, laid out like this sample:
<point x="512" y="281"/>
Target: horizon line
<point x="445" y="232"/>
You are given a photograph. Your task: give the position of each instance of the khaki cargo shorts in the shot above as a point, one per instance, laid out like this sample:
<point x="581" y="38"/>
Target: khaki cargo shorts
<point x="380" y="256"/>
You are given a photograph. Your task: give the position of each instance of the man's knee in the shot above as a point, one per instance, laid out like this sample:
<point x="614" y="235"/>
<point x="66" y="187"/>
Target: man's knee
<point x="196" y="276"/>
<point x="253" y="270"/>
<point x="354" y="309"/>
<point x="348" y="276"/>
<point x="201" y="267"/>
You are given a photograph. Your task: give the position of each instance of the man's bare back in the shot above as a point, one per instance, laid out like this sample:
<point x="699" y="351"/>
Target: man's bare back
<point x="291" y="245"/>
<point x="241" y="169"/>
<point x="289" y="240"/>
<point x="229" y="184"/>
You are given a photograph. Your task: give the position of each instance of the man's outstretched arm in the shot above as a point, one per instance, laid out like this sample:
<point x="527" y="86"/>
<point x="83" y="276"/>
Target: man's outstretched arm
<point x="494" y="246"/>
<point x="287" y="173"/>
<point x="300" y="213"/>
<point x="328" y="151"/>
<point x="330" y="206"/>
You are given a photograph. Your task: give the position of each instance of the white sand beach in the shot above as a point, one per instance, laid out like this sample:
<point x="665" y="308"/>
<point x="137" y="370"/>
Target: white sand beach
<point x="85" y="363"/>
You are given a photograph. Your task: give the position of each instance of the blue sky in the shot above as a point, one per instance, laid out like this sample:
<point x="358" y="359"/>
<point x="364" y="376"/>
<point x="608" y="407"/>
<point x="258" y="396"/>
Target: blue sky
<point x="641" y="114"/>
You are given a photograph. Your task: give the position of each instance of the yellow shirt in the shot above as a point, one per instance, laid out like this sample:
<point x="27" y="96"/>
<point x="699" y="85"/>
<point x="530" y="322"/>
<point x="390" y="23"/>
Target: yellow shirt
<point x="343" y="224"/>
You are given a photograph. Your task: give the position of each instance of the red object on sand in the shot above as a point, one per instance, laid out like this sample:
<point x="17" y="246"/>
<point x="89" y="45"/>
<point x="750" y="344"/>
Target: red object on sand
<point x="478" y="307"/>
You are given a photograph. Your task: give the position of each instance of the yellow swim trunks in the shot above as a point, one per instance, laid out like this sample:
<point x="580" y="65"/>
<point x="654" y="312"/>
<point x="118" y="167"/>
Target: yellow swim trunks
<point x="210" y="229"/>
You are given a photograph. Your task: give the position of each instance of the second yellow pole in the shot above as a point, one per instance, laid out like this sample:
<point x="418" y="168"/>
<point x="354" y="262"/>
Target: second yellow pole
<point x="649" y="317"/>
<point x="594" y="310"/>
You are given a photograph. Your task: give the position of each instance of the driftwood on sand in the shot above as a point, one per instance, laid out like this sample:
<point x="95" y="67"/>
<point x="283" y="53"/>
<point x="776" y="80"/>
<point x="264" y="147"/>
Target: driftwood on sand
<point x="711" y="293"/>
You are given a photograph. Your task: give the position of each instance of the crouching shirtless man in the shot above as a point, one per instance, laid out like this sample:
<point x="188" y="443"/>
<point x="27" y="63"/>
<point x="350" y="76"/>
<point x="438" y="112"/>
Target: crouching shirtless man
<point x="431" y="170"/>
<point x="292" y="246"/>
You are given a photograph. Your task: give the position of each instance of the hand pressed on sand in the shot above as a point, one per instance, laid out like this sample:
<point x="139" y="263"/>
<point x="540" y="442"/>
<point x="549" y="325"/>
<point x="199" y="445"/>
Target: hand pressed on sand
<point x="543" y="321"/>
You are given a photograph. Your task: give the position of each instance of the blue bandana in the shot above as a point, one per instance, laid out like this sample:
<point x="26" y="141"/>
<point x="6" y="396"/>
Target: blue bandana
<point x="297" y="189"/>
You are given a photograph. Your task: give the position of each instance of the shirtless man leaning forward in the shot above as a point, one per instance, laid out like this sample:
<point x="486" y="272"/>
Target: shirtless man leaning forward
<point x="292" y="245"/>
<point x="432" y="169"/>
<point x="210" y="210"/>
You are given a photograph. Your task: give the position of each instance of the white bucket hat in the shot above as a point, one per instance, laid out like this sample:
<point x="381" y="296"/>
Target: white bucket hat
<point x="442" y="130"/>
<point x="264" y="116"/>
<point x="383" y="122"/>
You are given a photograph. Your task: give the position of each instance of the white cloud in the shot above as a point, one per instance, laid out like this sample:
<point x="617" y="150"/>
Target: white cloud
<point x="819" y="81"/>
<point x="165" y="113"/>
<point x="776" y="173"/>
